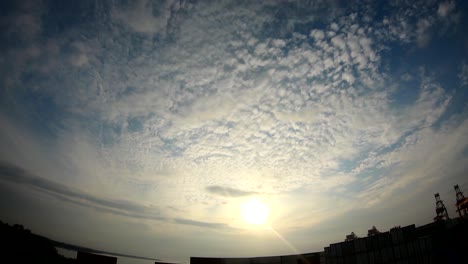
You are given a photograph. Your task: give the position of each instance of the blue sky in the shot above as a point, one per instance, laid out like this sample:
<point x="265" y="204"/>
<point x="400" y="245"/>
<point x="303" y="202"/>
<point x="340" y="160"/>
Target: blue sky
<point x="142" y="127"/>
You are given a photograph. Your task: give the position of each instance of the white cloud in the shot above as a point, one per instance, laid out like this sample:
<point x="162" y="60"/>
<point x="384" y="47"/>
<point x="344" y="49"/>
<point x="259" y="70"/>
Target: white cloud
<point x="81" y="57"/>
<point x="417" y="21"/>
<point x="145" y="16"/>
<point x="317" y="34"/>
<point x="429" y="155"/>
<point x="422" y="32"/>
<point x="445" y="8"/>
<point x="463" y="75"/>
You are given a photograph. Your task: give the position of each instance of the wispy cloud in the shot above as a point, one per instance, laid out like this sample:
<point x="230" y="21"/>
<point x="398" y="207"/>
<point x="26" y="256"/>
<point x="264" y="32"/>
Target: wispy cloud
<point x="463" y="75"/>
<point x="147" y="17"/>
<point x="445" y="8"/>
<point x="17" y="175"/>
<point x="228" y="192"/>
<point x="201" y="224"/>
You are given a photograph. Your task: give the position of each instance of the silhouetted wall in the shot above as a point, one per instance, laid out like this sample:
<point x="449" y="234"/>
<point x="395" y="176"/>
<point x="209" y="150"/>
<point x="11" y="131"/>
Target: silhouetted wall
<point x="89" y="258"/>
<point x="309" y="258"/>
<point x="438" y="242"/>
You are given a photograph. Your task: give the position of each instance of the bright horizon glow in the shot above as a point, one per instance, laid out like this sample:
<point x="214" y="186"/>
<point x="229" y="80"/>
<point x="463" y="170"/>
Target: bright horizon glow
<point x="254" y="212"/>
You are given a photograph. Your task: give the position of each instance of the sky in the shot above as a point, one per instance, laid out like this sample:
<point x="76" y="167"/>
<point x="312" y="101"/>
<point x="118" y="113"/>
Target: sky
<point x="145" y="127"/>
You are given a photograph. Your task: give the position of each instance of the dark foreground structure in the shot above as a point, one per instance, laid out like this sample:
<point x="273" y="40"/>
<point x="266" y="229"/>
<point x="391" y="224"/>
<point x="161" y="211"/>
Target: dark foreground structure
<point x="438" y="242"/>
<point x="443" y="241"/>
<point x="90" y="258"/>
<point x="19" y="245"/>
<point x="311" y="258"/>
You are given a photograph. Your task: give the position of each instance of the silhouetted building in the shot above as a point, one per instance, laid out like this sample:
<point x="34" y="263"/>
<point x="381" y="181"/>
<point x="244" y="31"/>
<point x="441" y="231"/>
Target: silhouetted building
<point x="438" y="242"/>
<point x="351" y="236"/>
<point x="89" y="258"/>
<point x="373" y="231"/>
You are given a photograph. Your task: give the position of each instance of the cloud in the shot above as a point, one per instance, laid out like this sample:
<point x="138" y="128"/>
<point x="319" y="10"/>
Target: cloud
<point x="81" y="55"/>
<point x="25" y="24"/>
<point x="147" y="17"/>
<point x="201" y="224"/>
<point x="273" y="107"/>
<point x="423" y="157"/>
<point x="20" y="176"/>
<point x="17" y="175"/>
<point x="463" y="75"/>
<point x="422" y="32"/>
<point x="445" y="8"/>
<point x="417" y="21"/>
<point x="228" y="192"/>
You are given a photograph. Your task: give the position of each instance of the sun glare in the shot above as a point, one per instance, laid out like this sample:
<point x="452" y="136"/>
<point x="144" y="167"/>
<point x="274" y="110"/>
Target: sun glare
<point x="254" y="212"/>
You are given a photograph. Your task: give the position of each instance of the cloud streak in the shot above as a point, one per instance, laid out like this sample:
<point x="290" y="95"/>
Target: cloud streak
<point x="228" y="192"/>
<point x="17" y="175"/>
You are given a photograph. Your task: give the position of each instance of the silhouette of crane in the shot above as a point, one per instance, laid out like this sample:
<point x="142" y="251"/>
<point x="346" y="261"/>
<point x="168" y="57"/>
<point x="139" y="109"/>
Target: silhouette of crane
<point x="462" y="202"/>
<point x="441" y="211"/>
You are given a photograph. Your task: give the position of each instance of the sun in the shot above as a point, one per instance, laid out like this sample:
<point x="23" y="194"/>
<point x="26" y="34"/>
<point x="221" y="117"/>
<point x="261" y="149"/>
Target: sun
<point x="254" y="212"/>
